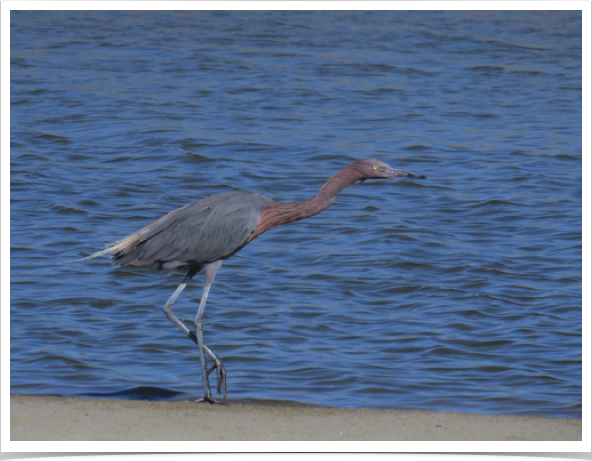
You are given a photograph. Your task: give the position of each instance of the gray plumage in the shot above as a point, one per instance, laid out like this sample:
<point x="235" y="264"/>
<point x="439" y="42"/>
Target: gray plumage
<point x="197" y="234"/>
<point x="205" y="233"/>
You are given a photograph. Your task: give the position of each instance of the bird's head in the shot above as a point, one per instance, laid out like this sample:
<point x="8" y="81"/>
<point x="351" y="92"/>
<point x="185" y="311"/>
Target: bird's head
<point x="371" y="168"/>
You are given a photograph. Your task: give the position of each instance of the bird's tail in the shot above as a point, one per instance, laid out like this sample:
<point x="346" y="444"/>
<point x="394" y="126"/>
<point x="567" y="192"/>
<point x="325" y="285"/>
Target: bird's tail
<point x="121" y="247"/>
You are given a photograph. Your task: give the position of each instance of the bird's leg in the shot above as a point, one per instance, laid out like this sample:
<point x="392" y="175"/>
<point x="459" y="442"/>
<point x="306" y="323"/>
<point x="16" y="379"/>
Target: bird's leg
<point x="212" y="269"/>
<point x="218" y="365"/>
<point x="168" y="309"/>
<point x="221" y="372"/>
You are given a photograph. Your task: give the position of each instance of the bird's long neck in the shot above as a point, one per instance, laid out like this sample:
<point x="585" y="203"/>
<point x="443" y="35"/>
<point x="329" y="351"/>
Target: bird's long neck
<point x="282" y="213"/>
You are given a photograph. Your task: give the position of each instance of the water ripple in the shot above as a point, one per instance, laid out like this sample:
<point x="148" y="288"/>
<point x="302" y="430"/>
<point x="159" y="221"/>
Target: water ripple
<point x="460" y="293"/>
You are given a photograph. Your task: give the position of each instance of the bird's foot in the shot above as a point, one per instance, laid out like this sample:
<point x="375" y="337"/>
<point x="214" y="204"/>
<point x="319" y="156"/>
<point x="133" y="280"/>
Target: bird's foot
<point x="220" y="377"/>
<point x="211" y="400"/>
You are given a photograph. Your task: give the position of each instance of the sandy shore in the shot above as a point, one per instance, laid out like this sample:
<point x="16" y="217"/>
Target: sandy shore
<point x="57" y="418"/>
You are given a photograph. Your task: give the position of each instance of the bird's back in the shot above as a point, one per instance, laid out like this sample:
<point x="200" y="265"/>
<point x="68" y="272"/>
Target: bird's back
<point x="195" y="235"/>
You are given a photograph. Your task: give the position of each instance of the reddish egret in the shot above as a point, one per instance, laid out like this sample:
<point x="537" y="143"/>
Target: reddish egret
<point x="205" y="233"/>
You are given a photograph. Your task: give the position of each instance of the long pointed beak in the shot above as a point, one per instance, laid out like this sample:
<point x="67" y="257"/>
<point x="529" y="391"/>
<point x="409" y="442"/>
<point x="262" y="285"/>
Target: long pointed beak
<point x="392" y="173"/>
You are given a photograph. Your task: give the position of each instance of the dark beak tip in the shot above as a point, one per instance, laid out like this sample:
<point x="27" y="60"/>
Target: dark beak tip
<point x="417" y="176"/>
<point x="407" y="174"/>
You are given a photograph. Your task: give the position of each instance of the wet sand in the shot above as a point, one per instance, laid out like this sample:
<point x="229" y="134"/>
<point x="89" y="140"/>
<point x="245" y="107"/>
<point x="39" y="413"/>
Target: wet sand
<point x="64" y="419"/>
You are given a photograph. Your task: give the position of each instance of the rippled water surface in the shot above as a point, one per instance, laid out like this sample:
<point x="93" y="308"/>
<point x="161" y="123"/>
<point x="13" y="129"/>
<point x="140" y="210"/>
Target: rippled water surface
<point x="461" y="292"/>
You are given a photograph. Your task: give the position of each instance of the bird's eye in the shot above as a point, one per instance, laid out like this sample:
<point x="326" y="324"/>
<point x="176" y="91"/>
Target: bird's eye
<point x="375" y="167"/>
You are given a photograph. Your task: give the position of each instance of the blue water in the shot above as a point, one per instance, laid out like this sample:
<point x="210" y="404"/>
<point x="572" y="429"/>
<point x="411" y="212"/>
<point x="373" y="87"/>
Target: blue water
<point x="461" y="292"/>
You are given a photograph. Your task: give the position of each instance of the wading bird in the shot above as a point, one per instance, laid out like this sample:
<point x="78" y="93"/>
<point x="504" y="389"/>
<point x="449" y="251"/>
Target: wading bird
<point x="205" y="233"/>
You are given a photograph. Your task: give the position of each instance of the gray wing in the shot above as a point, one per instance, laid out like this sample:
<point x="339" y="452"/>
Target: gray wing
<point x="199" y="233"/>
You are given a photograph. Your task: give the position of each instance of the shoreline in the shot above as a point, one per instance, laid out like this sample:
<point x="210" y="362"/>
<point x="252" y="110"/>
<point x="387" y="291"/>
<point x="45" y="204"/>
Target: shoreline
<point x="47" y="418"/>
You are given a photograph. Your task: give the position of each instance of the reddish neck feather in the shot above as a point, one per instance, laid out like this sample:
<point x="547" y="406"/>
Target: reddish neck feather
<point x="282" y="213"/>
